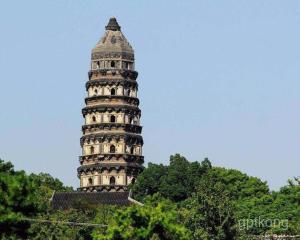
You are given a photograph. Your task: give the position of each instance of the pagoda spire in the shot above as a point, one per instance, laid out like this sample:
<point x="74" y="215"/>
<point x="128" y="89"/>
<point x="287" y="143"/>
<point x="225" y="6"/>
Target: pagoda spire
<point x="113" y="25"/>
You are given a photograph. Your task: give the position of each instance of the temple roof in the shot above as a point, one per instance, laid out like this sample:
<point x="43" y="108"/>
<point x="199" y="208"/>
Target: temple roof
<point x="67" y="200"/>
<point x="113" y="40"/>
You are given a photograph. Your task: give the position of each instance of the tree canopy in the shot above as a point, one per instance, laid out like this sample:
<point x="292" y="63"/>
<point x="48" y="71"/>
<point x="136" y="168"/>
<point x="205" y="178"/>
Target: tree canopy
<point x="23" y="196"/>
<point x="182" y="200"/>
<point x="154" y="220"/>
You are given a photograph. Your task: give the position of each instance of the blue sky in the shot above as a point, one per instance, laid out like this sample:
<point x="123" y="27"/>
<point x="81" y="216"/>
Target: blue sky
<point x="217" y="79"/>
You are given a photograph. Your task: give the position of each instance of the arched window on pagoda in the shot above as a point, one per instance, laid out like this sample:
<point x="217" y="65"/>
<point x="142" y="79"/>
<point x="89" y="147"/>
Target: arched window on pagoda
<point x="132" y="150"/>
<point x="92" y="150"/>
<point x="126" y="65"/>
<point x="127" y="92"/>
<point x="90" y="181"/>
<point x="112" y="91"/>
<point x="95" y="91"/>
<point x="112" y="64"/>
<point x="112" y="118"/>
<point x="112" y="149"/>
<point x="94" y="119"/>
<point x="98" y="65"/>
<point x="112" y="180"/>
<point x="130" y="120"/>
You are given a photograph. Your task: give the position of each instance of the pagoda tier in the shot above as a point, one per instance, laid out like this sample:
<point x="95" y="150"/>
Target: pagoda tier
<point x="128" y="138"/>
<point x="111" y="142"/>
<point x="125" y="73"/>
<point x="120" y="170"/>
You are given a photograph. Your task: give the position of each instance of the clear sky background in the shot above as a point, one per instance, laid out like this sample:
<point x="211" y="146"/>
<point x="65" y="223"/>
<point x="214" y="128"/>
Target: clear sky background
<point x="217" y="79"/>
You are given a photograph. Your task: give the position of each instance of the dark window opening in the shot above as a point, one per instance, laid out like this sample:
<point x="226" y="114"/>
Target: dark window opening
<point x="131" y="150"/>
<point x="112" y="180"/>
<point x="112" y="91"/>
<point x="94" y="119"/>
<point x="90" y="181"/>
<point x="112" y="119"/>
<point x="92" y="150"/>
<point x="113" y="64"/>
<point x="112" y="149"/>
<point x="98" y="64"/>
<point x="95" y="91"/>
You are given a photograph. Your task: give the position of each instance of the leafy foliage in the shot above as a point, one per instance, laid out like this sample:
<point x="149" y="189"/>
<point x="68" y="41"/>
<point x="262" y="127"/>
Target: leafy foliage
<point x="281" y="209"/>
<point x="58" y="229"/>
<point x="238" y="184"/>
<point x="183" y="200"/>
<point x="154" y="220"/>
<point x="249" y="198"/>
<point x="176" y="182"/>
<point x="22" y="196"/>
<point x="149" y="181"/>
<point x="210" y="212"/>
<point x="16" y="200"/>
<point x="45" y="185"/>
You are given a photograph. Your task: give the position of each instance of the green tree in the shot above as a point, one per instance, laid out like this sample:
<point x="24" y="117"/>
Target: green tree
<point x="16" y="201"/>
<point x="181" y="178"/>
<point x="46" y="180"/>
<point x="149" y="181"/>
<point x="295" y="181"/>
<point x="21" y="197"/>
<point x="62" y="224"/>
<point x="239" y="184"/>
<point x="280" y="208"/>
<point x="58" y="228"/>
<point x="176" y="181"/>
<point x="210" y="212"/>
<point x="154" y="220"/>
<point x="45" y="185"/>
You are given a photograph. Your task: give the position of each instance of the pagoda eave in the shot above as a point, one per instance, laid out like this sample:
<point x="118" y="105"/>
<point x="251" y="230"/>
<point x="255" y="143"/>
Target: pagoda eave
<point x="101" y="137"/>
<point x="126" y="99"/>
<point x="111" y="108"/>
<point x="108" y="156"/>
<point x="104" y="188"/>
<point x="111" y="82"/>
<point x="116" y="126"/>
<point x="108" y="55"/>
<point x="109" y="167"/>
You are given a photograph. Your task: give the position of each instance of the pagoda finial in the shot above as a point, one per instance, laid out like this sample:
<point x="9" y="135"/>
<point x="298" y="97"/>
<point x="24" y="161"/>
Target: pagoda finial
<point x="113" y="25"/>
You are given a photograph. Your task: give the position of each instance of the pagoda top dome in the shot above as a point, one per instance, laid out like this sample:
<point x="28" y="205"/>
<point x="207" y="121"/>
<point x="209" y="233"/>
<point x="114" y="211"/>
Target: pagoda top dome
<point x="113" y="40"/>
